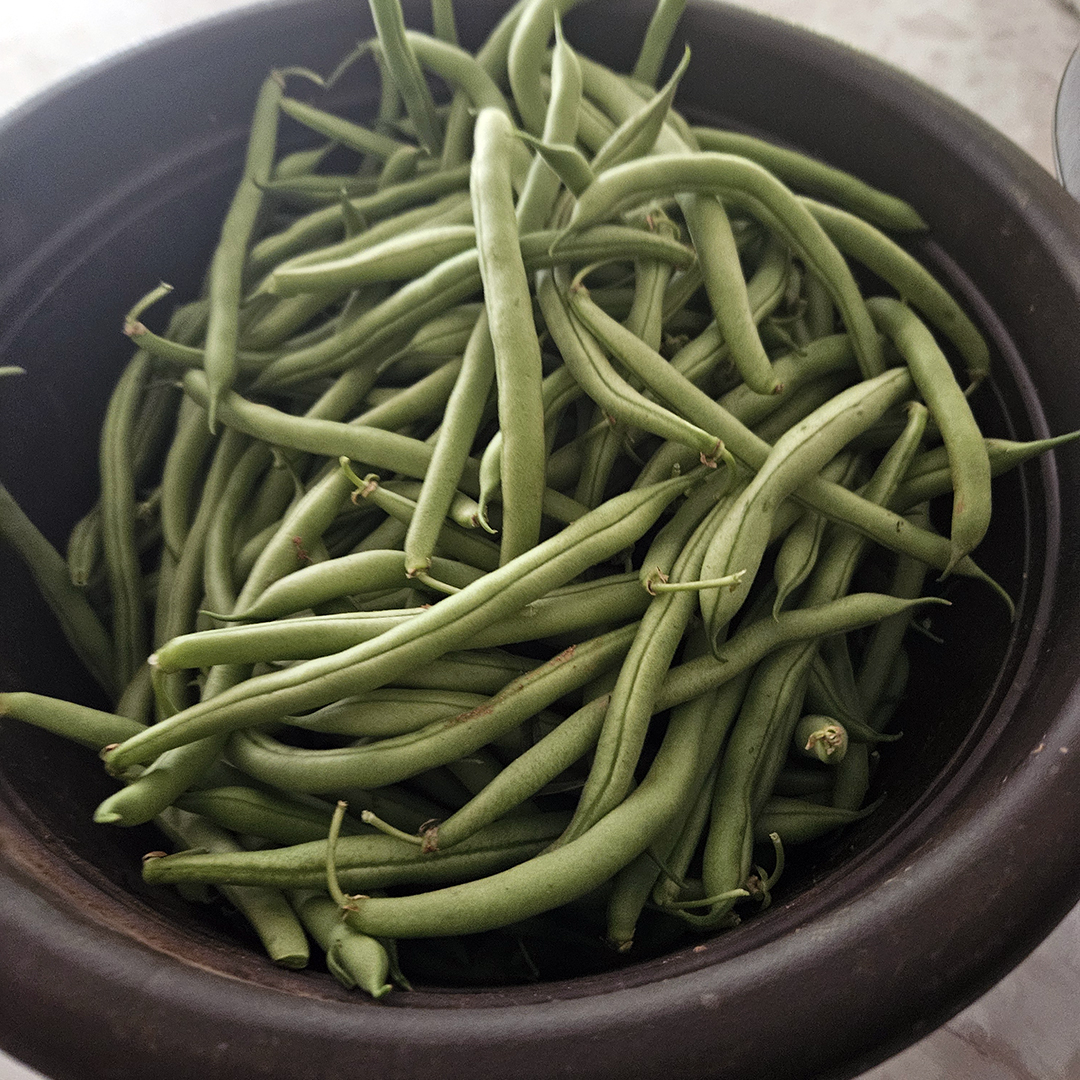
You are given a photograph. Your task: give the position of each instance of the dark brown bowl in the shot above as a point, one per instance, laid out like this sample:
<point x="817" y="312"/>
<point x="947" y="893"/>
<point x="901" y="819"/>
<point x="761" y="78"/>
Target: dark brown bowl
<point x="116" y="180"/>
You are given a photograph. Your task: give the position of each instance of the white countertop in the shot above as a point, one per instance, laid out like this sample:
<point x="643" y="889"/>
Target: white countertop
<point x="1000" y="58"/>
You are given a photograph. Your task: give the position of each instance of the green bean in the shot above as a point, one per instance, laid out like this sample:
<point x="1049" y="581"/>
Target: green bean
<point x="341" y="131"/>
<point x="187" y="356"/>
<point x="274" y="816"/>
<point x="518" y="371"/>
<point x="798" y="821"/>
<point x="710" y="230"/>
<point x="225" y="276"/>
<point x="812" y="176"/>
<point x="915" y="284"/>
<point x="176" y="609"/>
<point x="541" y="187"/>
<point x="525" y="56"/>
<point x="591" y="539"/>
<point x="798" y="552"/>
<point x="265" y="909"/>
<point x="740" y="540"/>
<point x="364" y="862"/>
<point x="451" y="540"/>
<point x="183" y="463"/>
<point x="118" y="513"/>
<point x="461" y="420"/>
<point x="764" y="291"/>
<point x="325" y="225"/>
<point x="822" y="738"/>
<point x="84" y="548"/>
<point x="354" y="959"/>
<point x="930" y="475"/>
<point x="969" y="462"/>
<point x="387" y="712"/>
<point x="404" y="69"/>
<point x="454" y="208"/>
<point x="752" y="188"/>
<point x="571" y="609"/>
<point x="81" y="627"/>
<point x="402" y="165"/>
<point x="92" y="728"/>
<point x="160" y="785"/>
<point x="645" y="319"/>
<point x="886" y="639"/>
<point x="300" y="162"/>
<point x="600" y="381"/>
<point x="407" y="255"/>
<point x="388" y="761"/>
<point x="442" y="21"/>
<point x="463" y="512"/>
<point x="654" y="47"/>
<point x="305" y="191"/>
<point x="363" y="572"/>
<point x="218" y="581"/>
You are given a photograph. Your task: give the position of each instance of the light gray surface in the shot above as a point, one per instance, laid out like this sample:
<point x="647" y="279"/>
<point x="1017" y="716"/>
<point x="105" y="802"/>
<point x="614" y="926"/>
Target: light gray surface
<point x="1000" y="58"/>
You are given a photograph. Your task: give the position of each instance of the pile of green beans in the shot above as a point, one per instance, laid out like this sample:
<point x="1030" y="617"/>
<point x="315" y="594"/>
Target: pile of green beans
<point x="544" y="509"/>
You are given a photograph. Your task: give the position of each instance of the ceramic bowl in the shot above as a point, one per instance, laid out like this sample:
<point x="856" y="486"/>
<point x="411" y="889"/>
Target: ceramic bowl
<point x="117" y="179"/>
